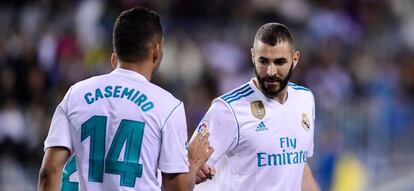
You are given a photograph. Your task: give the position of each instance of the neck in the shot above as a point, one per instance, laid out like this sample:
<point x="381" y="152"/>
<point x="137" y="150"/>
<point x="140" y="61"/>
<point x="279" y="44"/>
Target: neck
<point x="141" y="68"/>
<point x="281" y="97"/>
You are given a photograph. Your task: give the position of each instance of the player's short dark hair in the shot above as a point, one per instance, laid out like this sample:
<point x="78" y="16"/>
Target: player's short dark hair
<point x="134" y="29"/>
<point x="274" y="33"/>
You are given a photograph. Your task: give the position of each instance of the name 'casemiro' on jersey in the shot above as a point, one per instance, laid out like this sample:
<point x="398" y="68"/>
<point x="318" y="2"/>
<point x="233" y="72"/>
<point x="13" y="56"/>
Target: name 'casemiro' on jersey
<point x="118" y="131"/>
<point x="117" y="146"/>
<point x="116" y="91"/>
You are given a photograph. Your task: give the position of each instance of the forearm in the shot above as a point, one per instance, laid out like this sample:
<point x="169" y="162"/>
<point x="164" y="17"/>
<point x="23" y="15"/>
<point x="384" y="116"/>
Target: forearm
<point x="51" y="170"/>
<point x="310" y="185"/>
<point x="49" y="179"/>
<point x="191" y="177"/>
<point x="308" y="181"/>
<point x="180" y="181"/>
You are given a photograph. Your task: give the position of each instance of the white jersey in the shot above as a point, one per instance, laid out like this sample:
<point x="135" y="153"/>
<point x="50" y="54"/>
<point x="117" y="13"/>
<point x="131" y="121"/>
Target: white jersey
<point x="259" y="144"/>
<point x="122" y="128"/>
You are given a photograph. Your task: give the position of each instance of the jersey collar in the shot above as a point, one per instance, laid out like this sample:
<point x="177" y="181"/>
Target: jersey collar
<point x="129" y="74"/>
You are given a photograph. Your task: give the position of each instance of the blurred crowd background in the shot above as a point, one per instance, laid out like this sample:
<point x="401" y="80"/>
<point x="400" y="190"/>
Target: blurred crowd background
<point x="357" y="58"/>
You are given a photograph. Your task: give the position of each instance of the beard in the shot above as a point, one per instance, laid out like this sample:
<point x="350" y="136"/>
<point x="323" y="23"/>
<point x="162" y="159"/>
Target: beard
<point x="270" y="90"/>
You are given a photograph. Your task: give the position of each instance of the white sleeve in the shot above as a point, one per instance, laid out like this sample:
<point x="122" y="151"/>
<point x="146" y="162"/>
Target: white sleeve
<point x="222" y="125"/>
<point x="312" y="128"/>
<point x="173" y="154"/>
<point x="59" y="132"/>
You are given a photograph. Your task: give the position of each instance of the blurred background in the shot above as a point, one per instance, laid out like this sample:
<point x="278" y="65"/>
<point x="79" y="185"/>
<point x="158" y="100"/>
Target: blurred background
<point x="357" y="58"/>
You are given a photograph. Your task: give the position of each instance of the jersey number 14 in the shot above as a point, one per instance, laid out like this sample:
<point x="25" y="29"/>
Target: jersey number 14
<point x="130" y="134"/>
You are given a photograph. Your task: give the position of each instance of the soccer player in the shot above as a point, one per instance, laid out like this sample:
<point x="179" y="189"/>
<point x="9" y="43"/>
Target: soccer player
<point x="262" y="131"/>
<point x="121" y="127"/>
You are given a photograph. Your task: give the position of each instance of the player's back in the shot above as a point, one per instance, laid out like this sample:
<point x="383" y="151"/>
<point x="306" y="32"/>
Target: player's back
<point x="116" y="128"/>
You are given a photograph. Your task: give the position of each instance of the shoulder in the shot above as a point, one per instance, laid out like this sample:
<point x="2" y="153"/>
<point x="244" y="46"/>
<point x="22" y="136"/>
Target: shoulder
<point x="300" y="89"/>
<point x="237" y="94"/>
<point x="165" y="103"/>
<point x="231" y="103"/>
<point x="161" y="92"/>
<point x="301" y="92"/>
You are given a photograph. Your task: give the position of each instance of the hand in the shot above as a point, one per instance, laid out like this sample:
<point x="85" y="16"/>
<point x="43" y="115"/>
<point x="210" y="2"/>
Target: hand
<point x="199" y="151"/>
<point x="205" y="173"/>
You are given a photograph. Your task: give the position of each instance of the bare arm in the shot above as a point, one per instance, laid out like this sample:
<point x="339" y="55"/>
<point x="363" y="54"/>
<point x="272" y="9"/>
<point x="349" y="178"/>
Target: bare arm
<point x="178" y="181"/>
<point x="308" y="181"/>
<point x="198" y="152"/>
<point x="51" y="170"/>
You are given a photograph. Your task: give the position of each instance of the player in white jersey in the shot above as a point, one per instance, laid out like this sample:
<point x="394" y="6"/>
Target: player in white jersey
<point x="262" y="132"/>
<point x="121" y="127"/>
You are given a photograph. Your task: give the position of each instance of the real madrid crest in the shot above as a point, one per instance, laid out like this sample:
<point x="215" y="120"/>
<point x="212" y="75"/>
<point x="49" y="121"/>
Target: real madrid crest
<point x="258" y="109"/>
<point x="305" y="121"/>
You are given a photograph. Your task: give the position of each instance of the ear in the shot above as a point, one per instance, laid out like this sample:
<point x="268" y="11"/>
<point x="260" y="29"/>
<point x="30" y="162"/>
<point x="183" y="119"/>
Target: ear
<point x="156" y="50"/>
<point x="252" y="54"/>
<point x="114" y="60"/>
<point x="296" y="57"/>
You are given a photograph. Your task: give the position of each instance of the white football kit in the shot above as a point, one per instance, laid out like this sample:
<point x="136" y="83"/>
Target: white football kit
<point x="259" y="144"/>
<point x="122" y="129"/>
